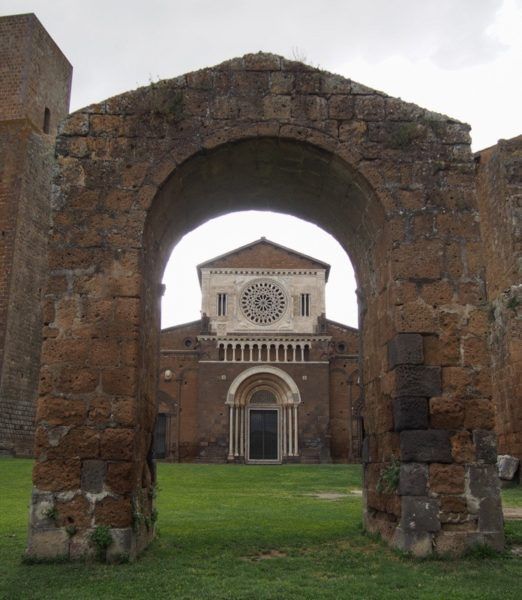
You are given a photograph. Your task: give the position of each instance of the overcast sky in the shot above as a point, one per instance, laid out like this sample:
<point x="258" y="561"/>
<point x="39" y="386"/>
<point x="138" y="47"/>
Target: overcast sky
<point x="458" y="57"/>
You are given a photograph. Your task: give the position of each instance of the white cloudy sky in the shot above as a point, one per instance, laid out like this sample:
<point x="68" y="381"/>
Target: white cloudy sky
<point x="459" y="57"/>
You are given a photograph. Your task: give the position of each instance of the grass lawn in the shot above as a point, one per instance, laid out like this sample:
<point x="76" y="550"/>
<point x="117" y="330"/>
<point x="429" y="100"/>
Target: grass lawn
<point x="251" y="533"/>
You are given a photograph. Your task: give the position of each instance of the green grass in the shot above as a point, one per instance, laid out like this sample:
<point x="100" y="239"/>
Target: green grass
<point x="232" y="532"/>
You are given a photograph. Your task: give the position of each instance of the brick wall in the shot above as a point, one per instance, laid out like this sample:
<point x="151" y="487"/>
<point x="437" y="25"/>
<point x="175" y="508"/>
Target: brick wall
<point x="23" y="327"/>
<point x="34" y="76"/>
<point x="34" y="73"/>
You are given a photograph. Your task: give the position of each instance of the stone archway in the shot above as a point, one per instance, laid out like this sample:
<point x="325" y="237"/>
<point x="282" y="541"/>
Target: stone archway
<point x="393" y="183"/>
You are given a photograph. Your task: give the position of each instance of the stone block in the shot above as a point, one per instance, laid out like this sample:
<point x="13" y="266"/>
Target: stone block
<point x="57" y="475"/>
<point x="405" y="349"/>
<point x="483" y="481"/>
<point x="446" y="479"/>
<point x="485" y="446"/>
<point x="410" y="413"/>
<point x="420" y="544"/>
<point x="119" y="477"/>
<point x="430" y="445"/>
<point x="80" y="545"/>
<point x="420" y="514"/>
<point x="479" y="414"/>
<point x="41" y="505"/>
<point x="507" y="466"/>
<point x="93" y="474"/>
<point x="414" y="380"/>
<point x="60" y="411"/>
<point x="123" y="544"/>
<point x="455" y="543"/>
<point x="48" y="544"/>
<point x="117" y="444"/>
<point x="114" y="512"/>
<point x="453" y="504"/>
<point x="446" y="413"/>
<point x="490" y="515"/>
<point x="413" y="479"/>
<point x="75" y="512"/>
<point x="462" y="448"/>
<point x="120" y="382"/>
<point x="80" y="442"/>
<point x="495" y="540"/>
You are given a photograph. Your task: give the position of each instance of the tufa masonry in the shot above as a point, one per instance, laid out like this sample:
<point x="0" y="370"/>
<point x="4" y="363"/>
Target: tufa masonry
<point x="92" y="203"/>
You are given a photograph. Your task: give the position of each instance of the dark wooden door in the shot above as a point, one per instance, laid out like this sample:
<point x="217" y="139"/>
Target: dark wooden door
<point x="160" y="436"/>
<point x="263" y="435"/>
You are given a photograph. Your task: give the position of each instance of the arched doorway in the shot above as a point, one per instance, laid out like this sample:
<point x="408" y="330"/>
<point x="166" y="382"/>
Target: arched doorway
<point x="263" y="414"/>
<point x="393" y="183"/>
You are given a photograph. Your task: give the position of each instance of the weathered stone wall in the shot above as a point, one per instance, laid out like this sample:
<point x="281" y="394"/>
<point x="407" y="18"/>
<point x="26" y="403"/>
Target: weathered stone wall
<point x="395" y="185"/>
<point x="34" y="75"/>
<point x="499" y="183"/>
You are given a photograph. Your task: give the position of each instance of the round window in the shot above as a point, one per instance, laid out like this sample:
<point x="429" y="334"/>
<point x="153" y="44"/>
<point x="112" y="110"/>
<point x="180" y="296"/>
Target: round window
<point x="263" y="302"/>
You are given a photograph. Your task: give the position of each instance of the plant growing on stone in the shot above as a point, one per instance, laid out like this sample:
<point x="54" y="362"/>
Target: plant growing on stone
<point x="389" y="477"/>
<point x="436" y="125"/>
<point x="52" y="513"/>
<point x="71" y="530"/>
<point x="166" y="102"/>
<point x="403" y="135"/>
<point x="513" y="303"/>
<point x="101" y="538"/>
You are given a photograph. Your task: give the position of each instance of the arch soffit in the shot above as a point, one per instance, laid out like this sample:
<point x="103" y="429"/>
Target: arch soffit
<point x="266" y="376"/>
<point x="334" y="194"/>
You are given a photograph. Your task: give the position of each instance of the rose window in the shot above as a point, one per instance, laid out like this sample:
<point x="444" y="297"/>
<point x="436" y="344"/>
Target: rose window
<point x="263" y="302"/>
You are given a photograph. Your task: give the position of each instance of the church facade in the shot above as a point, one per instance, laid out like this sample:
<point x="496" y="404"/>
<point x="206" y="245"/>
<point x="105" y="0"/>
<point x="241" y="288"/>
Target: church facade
<point x="264" y="376"/>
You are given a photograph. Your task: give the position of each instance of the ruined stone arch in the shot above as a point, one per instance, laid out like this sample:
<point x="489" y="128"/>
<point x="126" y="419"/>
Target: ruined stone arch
<point x="392" y="182"/>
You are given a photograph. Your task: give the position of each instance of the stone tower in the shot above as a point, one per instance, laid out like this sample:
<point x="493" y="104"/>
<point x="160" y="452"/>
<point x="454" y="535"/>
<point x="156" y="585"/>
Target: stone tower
<point x="35" y="83"/>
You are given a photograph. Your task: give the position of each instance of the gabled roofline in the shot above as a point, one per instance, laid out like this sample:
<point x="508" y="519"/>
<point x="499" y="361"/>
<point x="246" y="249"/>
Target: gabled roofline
<point x="263" y="239"/>
<point x="343" y="325"/>
<point x="180" y="325"/>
